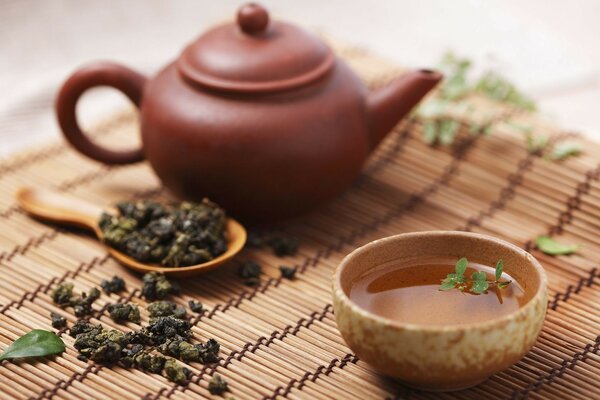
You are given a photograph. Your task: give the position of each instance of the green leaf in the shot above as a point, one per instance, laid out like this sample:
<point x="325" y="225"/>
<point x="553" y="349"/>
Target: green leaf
<point x="433" y="108"/>
<point x="430" y="132"/>
<point x="479" y="276"/>
<point x="536" y="143"/>
<point x="461" y="266"/>
<point x="550" y="246"/>
<point x="447" y="284"/>
<point x="503" y="285"/>
<point x="36" y="343"/>
<point x="480" y="286"/>
<point x="499" y="269"/>
<point x="448" y="130"/>
<point x="565" y="150"/>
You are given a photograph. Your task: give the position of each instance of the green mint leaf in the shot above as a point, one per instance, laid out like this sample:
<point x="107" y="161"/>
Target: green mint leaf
<point x="461" y="266"/>
<point x="479" y="276"/>
<point x="430" y="132"/>
<point x="565" y="150"/>
<point x="448" y="131"/>
<point x="503" y="285"/>
<point x="550" y="246"/>
<point x="536" y="143"/>
<point x="499" y="269"/>
<point x="447" y="285"/>
<point x="36" y="343"/>
<point x="480" y="286"/>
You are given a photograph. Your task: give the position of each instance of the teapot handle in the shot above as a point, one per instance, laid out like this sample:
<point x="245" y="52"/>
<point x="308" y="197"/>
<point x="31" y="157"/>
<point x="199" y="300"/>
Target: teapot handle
<point x="129" y="82"/>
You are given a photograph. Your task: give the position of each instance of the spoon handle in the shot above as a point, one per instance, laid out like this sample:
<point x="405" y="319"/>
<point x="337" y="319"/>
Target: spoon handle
<point x="57" y="207"/>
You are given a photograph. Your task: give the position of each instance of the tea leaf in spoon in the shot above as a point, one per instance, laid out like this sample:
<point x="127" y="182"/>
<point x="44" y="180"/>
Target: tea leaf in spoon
<point x="565" y="150"/>
<point x="36" y="343"/>
<point x="550" y="246"/>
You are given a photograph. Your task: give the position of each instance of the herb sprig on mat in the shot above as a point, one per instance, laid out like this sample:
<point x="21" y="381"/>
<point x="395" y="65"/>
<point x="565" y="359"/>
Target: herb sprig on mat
<point x="439" y="127"/>
<point x="477" y="284"/>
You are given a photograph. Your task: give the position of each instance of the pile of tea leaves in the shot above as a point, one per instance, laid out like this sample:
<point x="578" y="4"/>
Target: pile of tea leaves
<point x="154" y="347"/>
<point x="168" y="235"/>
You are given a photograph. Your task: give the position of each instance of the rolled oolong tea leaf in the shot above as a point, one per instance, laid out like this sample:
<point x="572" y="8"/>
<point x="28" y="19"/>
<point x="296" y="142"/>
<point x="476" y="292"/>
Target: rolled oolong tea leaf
<point x="172" y="236"/>
<point x="62" y="294"/>
<point x="549" y="246"/>
<point x="163" y="328"/>
<point x="82" y="305"/>
<point x="165" y="308"/>
<point x="120" y="312"/>
<point x="99" y="344"/>
<point x="176" y="372"/>
<point x="196" y="306"/>
<point x="36" y="343"/>
<point x="217" y="385"/>
<point x="252" y="282"/>
<point x="156" y="286"/>
<point x="283" y="245"/>
<point x="114" y="285"/>
<point x="287" y="272"/>
<point x="58" y="321"/>
<point x="249" y="269"/>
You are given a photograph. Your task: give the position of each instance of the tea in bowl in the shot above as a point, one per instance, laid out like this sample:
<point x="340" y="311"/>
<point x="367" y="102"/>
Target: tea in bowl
<point x="440" y="310"/>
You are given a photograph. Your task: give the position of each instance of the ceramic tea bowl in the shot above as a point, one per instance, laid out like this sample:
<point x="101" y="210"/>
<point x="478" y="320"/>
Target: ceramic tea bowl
<point x="441" y="358"/>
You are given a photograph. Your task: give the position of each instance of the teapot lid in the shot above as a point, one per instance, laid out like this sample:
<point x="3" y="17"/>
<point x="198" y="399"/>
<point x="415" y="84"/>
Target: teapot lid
<point x="255" y="55"/>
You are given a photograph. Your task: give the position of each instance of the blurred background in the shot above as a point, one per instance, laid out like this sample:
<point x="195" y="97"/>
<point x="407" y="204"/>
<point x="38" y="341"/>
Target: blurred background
<point x="549" y="48"/>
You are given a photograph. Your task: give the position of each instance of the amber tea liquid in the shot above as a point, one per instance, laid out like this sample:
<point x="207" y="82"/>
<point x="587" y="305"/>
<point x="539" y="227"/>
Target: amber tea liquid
<point x="409" y="292"/>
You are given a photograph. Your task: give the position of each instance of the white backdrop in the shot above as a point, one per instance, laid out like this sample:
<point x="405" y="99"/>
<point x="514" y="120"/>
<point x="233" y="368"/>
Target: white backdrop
<point x="549" y="47"/>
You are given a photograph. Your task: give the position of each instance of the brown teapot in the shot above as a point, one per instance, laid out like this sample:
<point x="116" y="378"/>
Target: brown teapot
<point x="258" y="115"/>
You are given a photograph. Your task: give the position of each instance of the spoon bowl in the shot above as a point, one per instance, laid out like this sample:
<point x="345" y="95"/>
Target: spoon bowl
<point x="59" y="208"/>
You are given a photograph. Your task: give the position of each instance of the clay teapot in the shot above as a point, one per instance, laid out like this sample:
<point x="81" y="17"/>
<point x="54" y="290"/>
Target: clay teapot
<point x="257" y="115"/>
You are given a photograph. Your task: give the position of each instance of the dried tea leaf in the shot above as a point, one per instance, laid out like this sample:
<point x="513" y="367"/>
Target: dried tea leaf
<point x="58" y="321"/>
<point x="287" y="272"/>
<point x="196" y="306"/>
<point x="156" y="286"/>
<point x="176" y="372"/>
<point x="550" y="246"/>
<point x="36" y="343"/>
<point x="217" y="385"/>
<point x="120" y="312"/>
<point x="166" y="308"/>
<point x="114" y="285"/>
<point x="249" y="269"/>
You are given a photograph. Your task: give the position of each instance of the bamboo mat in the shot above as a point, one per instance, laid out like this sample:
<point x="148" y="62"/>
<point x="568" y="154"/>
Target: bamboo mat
<point x="279" y="340"/>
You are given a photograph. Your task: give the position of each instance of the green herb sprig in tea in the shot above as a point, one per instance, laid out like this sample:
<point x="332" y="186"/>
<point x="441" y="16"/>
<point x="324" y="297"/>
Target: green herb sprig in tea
<point x="477" y="283"/>
<point x="171" y="236"/>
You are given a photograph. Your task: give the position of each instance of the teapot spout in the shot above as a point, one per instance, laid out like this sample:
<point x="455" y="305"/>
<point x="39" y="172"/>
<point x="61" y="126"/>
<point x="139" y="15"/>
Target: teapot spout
<point x="389" y="104"/>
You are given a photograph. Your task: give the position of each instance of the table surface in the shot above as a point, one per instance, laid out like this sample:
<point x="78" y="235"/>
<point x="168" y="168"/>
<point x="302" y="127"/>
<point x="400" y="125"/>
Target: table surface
<point x="549" y="49"/>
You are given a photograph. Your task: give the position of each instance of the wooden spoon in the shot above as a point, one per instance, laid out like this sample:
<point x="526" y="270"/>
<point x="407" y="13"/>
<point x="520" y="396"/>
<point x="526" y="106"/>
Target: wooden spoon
<point x="56" y="207"/>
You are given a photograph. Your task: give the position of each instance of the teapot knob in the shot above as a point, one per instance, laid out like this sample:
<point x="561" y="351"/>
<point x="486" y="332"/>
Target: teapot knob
<point x="252" y="18"/>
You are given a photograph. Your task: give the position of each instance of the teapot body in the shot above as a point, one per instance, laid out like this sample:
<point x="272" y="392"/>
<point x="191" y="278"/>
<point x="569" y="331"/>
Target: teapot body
<point x="262" y="157"/>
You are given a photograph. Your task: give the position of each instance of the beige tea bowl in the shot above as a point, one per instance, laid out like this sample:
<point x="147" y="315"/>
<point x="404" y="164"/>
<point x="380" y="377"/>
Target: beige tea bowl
<point x="441" y="358"/>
